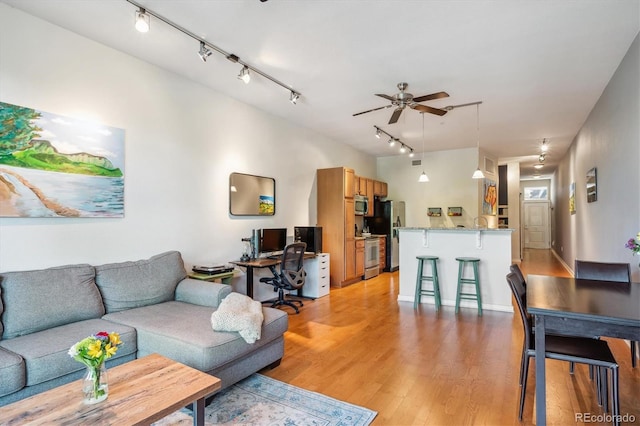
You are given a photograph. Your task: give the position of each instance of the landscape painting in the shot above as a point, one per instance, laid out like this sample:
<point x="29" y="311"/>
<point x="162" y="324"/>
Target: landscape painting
<point x="56" y="166"/>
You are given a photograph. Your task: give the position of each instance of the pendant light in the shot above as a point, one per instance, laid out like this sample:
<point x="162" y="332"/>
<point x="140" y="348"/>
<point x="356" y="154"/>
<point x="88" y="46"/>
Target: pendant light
<point x="423" y="177"/>
<point x="478" y="173"/>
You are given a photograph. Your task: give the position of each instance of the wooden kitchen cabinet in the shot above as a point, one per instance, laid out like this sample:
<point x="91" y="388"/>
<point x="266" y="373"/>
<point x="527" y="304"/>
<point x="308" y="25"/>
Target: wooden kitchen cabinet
<point x="336" y="215"/>
<point x="349" y="182"/>
<point x="369" y="195"/>
<point x="359" y="257"/>
<point x="379" y="188"/>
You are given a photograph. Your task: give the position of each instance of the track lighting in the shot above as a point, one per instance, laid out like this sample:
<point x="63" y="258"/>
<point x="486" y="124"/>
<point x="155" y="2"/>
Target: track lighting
<point x="392" y="141"/>
<point x="541" y="158"/>
<point x="204" y="53"/>
<point x="142" y="20"/>
<point x="544" y="146"/>
<point x="478" y="173"/>
<point x="244" y="75"/>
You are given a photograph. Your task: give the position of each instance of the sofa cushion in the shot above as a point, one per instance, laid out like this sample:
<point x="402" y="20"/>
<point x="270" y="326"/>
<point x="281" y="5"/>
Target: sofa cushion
<point x="129" y="285"/>
<point x="183" y="332"/>
<point x="39" y="300"/>
<point x="46" y="353"/>
<point x="12" y="371"/>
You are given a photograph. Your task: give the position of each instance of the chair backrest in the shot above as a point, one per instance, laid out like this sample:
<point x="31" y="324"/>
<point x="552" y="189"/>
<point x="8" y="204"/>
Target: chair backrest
<point x="291" y="267"/>
<point x="520" y="294"/>
<point x="516" y="270"/>
<point x="614" y="272"/>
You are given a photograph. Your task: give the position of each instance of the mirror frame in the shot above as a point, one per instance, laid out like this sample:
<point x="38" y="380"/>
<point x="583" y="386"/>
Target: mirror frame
<point x="258" y="188"/>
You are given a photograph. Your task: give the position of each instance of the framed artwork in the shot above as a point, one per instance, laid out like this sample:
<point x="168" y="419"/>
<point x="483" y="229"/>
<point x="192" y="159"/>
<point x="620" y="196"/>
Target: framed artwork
<point x="434" y="212"/>
<point x="592" y="185"/>
<point x="490" y="197"/>
<point x="572" y="198"/>
<point x="57" y="166"/>
<point x="454" y="211"/>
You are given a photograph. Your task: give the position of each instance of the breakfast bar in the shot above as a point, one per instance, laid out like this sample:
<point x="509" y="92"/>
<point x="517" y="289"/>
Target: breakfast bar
<point x="491" y="246"/>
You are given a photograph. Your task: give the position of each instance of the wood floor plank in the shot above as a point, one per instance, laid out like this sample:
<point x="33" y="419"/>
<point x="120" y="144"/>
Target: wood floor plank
<point x="422" y="367"/>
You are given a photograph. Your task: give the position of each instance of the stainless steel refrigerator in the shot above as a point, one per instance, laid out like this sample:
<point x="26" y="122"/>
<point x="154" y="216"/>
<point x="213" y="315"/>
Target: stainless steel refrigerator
<point x="388" y="217"/>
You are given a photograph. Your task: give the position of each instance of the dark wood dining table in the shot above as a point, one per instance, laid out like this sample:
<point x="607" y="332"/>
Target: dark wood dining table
<point x="579" y="307"/>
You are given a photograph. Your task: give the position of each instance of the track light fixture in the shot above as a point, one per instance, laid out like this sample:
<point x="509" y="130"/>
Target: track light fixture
<point x="244" y="75"/>
<point x="541" y="158"/>
<point x="142" y="22"/>
<point x="544" y="147"/>
<point x="204" y="52"/>
<point x="392" y="141"/>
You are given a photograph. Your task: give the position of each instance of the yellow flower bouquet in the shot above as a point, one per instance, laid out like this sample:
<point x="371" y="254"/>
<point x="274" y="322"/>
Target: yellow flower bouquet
<point x="92" y="352"/>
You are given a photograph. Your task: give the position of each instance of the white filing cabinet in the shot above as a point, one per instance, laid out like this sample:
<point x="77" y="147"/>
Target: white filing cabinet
<point x="317" y="282"/>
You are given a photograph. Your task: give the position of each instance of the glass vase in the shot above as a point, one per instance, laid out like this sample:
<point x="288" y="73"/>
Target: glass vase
<point x="95" y="385"/>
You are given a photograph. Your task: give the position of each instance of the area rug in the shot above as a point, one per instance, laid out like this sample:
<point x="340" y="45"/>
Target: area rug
<point x="261" y="400"/>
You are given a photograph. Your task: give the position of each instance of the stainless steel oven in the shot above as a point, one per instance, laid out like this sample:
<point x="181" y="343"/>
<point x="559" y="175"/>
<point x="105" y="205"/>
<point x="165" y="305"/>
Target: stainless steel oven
<point x="371" y="257"/>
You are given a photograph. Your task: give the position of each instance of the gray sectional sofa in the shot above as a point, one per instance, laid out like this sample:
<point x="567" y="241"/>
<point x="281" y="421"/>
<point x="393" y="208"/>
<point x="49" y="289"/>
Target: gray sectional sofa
<point x="152" y="304"/>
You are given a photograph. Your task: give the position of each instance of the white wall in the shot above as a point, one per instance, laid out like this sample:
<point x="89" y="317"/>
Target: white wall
<point x="182" y="142"/>
<point x="610" y="141"/>
<point x="450" y="185"/>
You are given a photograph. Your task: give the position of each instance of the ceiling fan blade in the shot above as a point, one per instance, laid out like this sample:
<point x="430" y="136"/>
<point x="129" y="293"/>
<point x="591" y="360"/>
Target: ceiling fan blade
<point x="387" y="97"/>
<point x="424" y="108"/>
<point x="375" y="109"/>
<point x="438" y="95"/>
<point x="395" y="115"/>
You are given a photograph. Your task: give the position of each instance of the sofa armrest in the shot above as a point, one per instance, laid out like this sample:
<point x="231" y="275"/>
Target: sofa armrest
<point x="202" y="293"/>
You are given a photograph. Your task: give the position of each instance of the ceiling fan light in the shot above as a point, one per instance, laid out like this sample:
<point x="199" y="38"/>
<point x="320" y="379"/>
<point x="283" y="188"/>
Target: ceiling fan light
<point x="142" y="20"/>
<point x="423" y="177"/>
<point x="477" y="174"/>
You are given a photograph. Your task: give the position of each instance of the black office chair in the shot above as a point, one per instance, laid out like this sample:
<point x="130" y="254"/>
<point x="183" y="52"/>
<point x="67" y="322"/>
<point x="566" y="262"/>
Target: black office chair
<point x="565" y="348"/>
<point x="601" y="271"/>
<point x="291" y="275"/>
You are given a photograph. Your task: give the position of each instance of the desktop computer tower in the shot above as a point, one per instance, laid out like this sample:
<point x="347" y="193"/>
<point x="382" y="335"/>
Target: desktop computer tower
<point x="312" y="235"/>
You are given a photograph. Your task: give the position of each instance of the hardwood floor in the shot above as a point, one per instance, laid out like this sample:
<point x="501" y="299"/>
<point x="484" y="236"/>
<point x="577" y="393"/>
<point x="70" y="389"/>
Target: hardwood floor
<point x="423" y="367"/>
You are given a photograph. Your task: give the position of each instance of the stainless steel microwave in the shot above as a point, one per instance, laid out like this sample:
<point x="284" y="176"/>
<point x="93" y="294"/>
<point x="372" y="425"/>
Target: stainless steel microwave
<point x="362" y="205"/>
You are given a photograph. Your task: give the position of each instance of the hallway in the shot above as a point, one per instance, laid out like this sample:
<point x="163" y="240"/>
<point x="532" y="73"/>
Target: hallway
<point x="422" y="367"/>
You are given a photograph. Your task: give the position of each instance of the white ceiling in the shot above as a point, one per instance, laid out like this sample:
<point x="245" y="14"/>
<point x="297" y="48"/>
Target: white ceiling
<point x="537" y="66"/>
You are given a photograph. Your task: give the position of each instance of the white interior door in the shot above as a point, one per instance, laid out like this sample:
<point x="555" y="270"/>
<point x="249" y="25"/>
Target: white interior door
<point x="536" y="224"/>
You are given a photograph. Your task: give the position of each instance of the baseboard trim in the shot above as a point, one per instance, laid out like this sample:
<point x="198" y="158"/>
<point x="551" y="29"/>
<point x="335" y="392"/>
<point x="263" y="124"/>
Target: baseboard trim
<point x="463" y="304"/>
<point x="569" y="269"/>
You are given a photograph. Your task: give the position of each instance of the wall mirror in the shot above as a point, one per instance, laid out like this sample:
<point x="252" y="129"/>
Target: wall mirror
<point x="251" y="195"/>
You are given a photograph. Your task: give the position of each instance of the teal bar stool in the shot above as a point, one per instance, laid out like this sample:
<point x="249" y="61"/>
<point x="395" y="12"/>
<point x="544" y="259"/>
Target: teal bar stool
<point x="475" y="280"/>
<point x="433" y="278"/>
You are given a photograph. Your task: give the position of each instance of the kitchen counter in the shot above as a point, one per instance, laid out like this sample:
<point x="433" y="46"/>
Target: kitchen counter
<point x="491" y="246"/>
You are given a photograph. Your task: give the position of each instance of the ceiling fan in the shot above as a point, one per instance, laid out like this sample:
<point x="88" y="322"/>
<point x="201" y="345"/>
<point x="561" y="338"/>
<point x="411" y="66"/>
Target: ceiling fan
<point x="404" y="99"/>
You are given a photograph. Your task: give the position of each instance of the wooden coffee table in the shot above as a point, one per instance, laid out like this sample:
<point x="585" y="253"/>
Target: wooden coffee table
<point x="140" y="392"/>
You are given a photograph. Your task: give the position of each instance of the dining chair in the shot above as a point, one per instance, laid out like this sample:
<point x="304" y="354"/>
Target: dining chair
<point x="613" y="272"/>
<point x="565" y="348"/>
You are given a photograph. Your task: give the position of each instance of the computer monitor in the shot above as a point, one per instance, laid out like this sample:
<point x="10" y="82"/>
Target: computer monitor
<point x="273" y="240"/>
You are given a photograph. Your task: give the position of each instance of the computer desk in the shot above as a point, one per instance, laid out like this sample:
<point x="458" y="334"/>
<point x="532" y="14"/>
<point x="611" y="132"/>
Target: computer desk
<point x="263" y="262"/>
